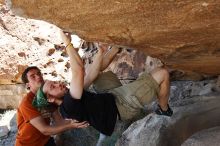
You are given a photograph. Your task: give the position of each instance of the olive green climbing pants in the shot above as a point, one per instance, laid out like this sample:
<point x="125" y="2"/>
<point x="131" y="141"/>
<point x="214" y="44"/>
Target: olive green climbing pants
<point x="130" y="98"/>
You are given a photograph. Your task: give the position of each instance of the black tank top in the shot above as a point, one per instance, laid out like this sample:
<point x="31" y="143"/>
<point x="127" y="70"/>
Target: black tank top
<point x="99" y="110"/>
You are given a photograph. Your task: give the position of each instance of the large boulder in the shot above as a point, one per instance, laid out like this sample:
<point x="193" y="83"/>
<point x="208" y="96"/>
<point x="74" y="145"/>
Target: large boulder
<point x="195" y="106"/>
<point x="191" y="116"/>
<point x="184" y="34"/>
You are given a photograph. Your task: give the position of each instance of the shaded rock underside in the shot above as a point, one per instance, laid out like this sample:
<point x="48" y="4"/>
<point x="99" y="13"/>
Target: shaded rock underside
<point x="184" y="34"/>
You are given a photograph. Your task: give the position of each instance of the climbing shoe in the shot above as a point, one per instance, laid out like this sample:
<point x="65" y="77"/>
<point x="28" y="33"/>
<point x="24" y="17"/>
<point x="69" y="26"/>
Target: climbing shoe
<point x="168" y="112"/>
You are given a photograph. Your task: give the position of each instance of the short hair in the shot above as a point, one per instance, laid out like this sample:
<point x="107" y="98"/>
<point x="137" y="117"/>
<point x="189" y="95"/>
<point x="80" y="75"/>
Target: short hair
<point x="24" y="74"/>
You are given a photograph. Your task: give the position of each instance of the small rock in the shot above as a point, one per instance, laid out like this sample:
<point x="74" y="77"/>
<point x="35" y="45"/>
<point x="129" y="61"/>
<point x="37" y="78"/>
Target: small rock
<point x="39" y="40"/>
<point x="64" y="54"/>
<point x="49" y="63"/>
<point x="50" y="51"/>
<point x="54" y="73"/>
<point x="60" y="60"/>
<point x="3" y="131"/>
<point x="22" y="54"/>
<point x="67" y="65"/>
<point x="59" y="47"/>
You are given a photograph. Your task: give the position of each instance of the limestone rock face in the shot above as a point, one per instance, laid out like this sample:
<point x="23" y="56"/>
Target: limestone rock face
<point x="184" y="34"/>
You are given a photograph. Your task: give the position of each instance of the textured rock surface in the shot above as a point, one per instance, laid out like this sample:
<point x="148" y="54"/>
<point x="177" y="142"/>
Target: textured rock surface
<point x="89" y="136"/>
<point x="8" y="119"/>
<point x="205" y="137"/>
<point x="184" y="34"/>
<point x="26" y="42"/>
<point x="30" y="42"/>
<point x="3" y="131"/>
<point x="190" y="116"/>
<point x="11" y="95"/>
<point x="127" y="64"/>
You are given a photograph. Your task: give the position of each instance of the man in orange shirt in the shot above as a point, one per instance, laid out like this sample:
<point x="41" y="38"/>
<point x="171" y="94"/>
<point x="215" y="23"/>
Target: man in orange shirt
<point x="33" y="129"/>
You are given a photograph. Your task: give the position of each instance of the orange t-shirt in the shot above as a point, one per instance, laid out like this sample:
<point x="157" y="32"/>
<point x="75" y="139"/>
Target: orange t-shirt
<point x="27" y="134"/>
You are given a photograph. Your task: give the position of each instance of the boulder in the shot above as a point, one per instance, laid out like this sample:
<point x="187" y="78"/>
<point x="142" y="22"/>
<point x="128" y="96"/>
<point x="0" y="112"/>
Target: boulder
<point x="183" y="34"/>
<point x="190" y="116"/>
<point x="205" y="137"/>
<point x="3" y="131"/>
